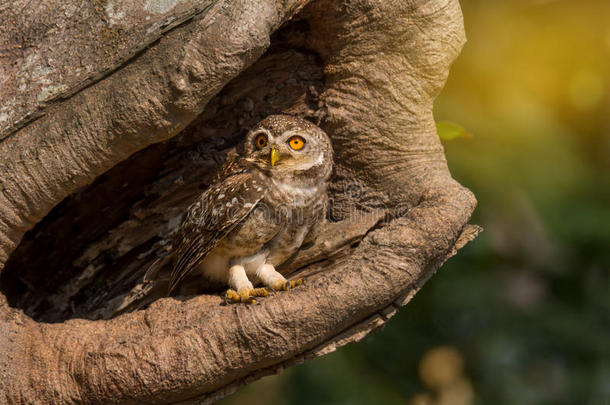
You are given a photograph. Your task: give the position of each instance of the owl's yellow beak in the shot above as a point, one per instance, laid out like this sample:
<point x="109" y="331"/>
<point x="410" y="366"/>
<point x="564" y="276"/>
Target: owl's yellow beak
<point x="275" y="156"/>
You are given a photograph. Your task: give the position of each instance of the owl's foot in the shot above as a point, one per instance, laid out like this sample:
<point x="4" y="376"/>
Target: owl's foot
<point x="246" y="295"/>
<point x="285" y="285"/>
<point x="297" y="282"/>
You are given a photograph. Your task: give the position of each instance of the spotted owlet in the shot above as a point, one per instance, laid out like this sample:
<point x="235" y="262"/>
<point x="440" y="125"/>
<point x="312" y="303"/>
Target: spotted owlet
<point x="259" y="210"/>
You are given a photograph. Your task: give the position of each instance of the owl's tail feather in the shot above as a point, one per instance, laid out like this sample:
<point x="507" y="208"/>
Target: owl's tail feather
<point x="153" y="285"/>
<point x="154" y="270"/>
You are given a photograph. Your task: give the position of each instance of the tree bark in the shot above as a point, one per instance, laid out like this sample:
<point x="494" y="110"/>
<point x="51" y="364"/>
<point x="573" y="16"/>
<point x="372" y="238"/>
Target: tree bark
<point x="367" y="70"/>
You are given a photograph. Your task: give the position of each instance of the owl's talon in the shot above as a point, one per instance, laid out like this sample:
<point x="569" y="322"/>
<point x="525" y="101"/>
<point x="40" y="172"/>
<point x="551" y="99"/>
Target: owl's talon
<point x="287" y="285"/>
<point x="246" y="295"/>
<point x="232" y="295"/>
<point x="281" y="285"/>
<point x="297" y="282"/>
<point x="259" y="292"/>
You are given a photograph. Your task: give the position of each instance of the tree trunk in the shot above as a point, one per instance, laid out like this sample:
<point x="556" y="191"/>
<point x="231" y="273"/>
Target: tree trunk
<point x="115" y="117"/>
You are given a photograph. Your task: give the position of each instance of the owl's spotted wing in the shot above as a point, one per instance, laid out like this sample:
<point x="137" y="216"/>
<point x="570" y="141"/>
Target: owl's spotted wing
<point x="220" y="208"/>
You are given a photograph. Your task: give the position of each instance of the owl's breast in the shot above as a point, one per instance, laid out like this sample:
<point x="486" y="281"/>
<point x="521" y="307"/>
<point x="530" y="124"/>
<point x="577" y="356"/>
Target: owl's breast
<point x="286" y="243"/>
<point x="296" y="222"/>
<point x="251" y="235"/>
<point x="275" y="227"/>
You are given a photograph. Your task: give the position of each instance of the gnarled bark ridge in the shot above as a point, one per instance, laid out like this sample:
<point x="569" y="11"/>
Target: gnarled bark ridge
<point x="367" y="70"/>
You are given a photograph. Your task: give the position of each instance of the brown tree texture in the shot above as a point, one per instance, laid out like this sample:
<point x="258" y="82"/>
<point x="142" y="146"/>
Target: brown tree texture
<point x="115" y="115"/>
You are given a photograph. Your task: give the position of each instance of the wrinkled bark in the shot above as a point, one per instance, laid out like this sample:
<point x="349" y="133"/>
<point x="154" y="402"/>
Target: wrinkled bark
<point x="367" y="70"/>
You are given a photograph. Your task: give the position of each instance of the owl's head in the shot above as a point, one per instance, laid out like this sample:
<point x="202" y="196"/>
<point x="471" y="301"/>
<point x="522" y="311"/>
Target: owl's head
<point x="290" y="147"/>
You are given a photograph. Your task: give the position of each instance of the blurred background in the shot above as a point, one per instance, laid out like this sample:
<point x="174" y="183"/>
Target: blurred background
<point x="521" y="315"/>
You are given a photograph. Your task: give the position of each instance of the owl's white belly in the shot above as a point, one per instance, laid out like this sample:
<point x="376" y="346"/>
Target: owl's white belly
<point x="216" y="265"/>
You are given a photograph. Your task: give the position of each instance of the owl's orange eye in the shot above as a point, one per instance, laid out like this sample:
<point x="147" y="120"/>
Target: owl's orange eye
<point x="260" y="141"/>
<point x="296" y="142"/>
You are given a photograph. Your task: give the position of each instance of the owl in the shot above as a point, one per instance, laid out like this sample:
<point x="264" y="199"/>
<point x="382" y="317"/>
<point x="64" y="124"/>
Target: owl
<point x="261" y="207"/>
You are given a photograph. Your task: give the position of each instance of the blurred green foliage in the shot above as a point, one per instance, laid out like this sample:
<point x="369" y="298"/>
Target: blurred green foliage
<point x="527" y="305"/>
<point x="448" y="131"/>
